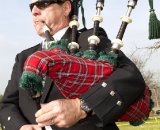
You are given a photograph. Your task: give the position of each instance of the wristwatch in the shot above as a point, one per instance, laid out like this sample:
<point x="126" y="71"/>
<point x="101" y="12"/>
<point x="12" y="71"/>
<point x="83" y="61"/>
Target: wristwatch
<point x="85" y="107"/>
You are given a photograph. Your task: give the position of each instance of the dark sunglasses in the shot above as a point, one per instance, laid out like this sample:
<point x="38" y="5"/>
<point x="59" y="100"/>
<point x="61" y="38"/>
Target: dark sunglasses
<point x="41" y="4"/>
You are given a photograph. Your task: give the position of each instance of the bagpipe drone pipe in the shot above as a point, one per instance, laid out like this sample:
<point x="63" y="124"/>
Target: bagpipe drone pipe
<point x="74" y="71"/>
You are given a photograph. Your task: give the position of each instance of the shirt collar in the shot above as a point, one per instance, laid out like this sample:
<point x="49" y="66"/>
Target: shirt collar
<point x="57" y="36"/>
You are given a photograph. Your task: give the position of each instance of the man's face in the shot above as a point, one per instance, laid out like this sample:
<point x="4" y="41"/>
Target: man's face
<point x="55" y="16"/>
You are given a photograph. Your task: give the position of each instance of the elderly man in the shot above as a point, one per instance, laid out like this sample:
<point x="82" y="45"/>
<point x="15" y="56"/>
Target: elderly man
<point x="18" y="110"/>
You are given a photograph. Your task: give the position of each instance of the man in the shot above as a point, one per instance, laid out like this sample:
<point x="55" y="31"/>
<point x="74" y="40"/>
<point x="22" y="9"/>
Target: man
<point x="107" y="100"/>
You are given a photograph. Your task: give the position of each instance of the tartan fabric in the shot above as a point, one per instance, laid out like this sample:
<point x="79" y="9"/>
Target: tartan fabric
<point x="75" y="75"/>
<point x="72" y="75"/>
<point x="139" y="110"/>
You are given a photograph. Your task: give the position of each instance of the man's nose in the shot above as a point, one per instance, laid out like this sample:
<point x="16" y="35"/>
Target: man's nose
<point x="35" y="10"/>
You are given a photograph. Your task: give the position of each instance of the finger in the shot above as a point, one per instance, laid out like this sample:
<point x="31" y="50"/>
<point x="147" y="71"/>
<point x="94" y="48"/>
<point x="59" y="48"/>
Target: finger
<point x="53" y="121"/>
<point x="47" y="116"/>
<point x="36" y="127"/>
<point x="30" y="127"/>
<point x="39" y="113"/>
<point x="44" y="109"/>
<point x="47" y="123"/>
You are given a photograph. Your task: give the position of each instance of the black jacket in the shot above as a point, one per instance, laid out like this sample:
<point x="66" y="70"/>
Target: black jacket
<point x="18" y="108"/>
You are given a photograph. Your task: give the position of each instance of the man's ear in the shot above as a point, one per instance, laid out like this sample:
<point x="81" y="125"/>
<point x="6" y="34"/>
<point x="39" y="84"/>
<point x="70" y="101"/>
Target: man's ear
<point x="67" y="8"/>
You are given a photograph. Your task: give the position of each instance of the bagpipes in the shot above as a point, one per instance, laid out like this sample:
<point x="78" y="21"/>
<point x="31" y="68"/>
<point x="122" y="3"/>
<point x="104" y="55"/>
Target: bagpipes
<point x="74" y="72"/>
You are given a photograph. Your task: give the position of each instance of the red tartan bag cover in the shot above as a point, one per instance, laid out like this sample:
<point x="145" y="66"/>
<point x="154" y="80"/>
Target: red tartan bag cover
<point x="72" y="75"/>
<point x="75" y="75"/>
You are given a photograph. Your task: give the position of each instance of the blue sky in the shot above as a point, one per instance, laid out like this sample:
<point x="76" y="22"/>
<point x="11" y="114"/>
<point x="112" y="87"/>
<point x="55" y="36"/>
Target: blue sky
<point x="17" y="32"/>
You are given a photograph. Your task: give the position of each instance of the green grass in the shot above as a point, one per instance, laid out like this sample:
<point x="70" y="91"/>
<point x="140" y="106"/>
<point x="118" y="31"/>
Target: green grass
<point x="152" y="122"/>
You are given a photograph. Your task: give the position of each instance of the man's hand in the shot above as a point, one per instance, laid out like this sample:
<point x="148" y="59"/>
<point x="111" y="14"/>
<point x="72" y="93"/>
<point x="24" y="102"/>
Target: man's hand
<point x="62" y="113"/>
<point x="31" y="127"/>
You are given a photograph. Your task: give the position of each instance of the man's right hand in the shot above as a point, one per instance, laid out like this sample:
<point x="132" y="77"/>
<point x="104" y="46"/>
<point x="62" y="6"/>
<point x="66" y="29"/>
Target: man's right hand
<point x="30" y="127"/>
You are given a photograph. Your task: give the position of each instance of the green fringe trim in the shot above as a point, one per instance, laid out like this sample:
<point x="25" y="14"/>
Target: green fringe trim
<point x="62" y="44"/>
<point x="78" y="54"/>
<point x="90" y="54"/>
<point x="31" y="81"/>
<point x="110" y="57"/>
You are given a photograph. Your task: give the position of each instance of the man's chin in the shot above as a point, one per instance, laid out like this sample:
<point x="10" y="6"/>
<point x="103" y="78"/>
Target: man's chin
<point x="39" y="31"/>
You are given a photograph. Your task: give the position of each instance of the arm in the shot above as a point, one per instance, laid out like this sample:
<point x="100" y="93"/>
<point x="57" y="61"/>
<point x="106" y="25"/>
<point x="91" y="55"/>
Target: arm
<point x="127" y="84"/>
<point x="10" y="114"/>
<point x="98" y="97"/>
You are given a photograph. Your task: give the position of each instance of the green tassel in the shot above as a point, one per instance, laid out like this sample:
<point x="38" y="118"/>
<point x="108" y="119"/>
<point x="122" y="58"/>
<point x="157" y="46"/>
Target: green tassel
<point x="154" y="23"/>
<point x="31" y="81"/>
<point x="154" y="26"/>
<point x="62" y="44"/>
<point x="90" y="54"/>
<point x="110" y="57"/>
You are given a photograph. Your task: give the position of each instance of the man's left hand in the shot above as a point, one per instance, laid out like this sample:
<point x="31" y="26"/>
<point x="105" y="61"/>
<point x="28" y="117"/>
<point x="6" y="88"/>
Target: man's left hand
<point x="62" y="113"/>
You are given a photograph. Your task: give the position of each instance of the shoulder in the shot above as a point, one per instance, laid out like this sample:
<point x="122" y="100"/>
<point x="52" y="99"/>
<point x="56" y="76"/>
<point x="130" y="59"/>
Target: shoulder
<point x="27" y="52"/>
<point x="30" y="50"/>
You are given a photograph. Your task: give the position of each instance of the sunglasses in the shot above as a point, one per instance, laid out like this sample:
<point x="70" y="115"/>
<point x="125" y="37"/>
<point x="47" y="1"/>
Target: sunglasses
<point x="42" y="4"/>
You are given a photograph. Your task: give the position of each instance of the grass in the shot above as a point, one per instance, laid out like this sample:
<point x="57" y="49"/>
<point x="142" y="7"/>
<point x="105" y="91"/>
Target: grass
<point x="152" y="122"/>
